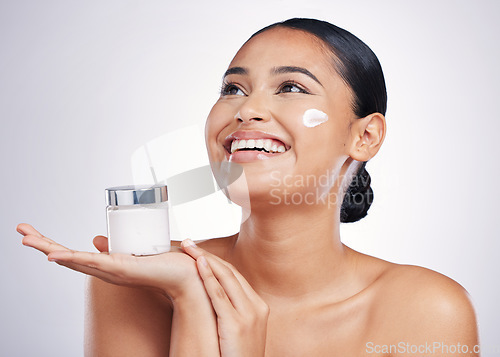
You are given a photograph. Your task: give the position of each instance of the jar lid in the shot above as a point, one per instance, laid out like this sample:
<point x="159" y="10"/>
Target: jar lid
<point x="136" y="195"/>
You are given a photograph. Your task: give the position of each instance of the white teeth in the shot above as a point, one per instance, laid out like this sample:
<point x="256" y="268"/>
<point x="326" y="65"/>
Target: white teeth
<point x="242" y="144"/>
<point x="266" y="144"/>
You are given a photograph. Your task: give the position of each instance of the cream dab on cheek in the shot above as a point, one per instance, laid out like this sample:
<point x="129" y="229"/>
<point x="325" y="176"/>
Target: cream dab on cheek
<point x="314" y="117"/>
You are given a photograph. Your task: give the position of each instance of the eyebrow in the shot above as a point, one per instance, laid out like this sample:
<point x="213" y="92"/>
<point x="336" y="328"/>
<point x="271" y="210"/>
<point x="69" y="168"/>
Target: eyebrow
<point x="235" y="70"/>
<point x="293" y="69"/>
<point x="275" y="70"/>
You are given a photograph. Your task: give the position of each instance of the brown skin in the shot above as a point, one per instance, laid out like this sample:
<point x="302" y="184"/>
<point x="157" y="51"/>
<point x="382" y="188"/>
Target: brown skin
<point x="328" y="296"/>
<point x="307" y="293"/>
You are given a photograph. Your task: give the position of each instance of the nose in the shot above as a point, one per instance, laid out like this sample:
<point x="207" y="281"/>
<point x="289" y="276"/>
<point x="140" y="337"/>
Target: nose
<point x="254" y="108"/>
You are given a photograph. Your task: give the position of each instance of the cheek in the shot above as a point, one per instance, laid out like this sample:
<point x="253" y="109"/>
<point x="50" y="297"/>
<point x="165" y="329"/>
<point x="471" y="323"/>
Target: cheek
<point x="319" y="141"/>
<point x="214" y="124"/>
<point x="214" y="118"/>
<point x="314" y="117"/>
<point x="303" y="116"/>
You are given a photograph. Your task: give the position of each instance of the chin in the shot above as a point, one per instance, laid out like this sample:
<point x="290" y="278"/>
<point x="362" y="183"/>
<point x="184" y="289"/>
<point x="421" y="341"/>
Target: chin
<point x="248" y="191"/>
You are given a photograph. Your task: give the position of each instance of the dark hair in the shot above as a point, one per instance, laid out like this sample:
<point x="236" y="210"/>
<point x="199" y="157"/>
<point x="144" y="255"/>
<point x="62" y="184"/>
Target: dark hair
<point x="360" y="69"/>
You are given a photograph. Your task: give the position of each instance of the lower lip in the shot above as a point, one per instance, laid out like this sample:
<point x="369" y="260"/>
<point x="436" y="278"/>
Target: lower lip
<point x="249" y="156"/>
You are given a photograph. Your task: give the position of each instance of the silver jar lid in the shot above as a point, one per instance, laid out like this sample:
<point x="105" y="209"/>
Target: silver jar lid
<point x="136" y="195"/>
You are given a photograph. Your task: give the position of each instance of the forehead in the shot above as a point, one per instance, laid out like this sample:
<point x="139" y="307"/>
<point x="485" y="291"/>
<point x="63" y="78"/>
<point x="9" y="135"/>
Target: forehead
<point x="283" y="46"/>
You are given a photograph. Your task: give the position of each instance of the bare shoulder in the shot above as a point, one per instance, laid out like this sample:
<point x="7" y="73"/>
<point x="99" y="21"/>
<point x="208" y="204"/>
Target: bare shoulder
<point x="429" y="306"/>
<point x="425" y="288"/>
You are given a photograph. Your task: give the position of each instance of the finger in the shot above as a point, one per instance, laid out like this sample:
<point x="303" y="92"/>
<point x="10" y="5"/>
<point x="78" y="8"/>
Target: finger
<point x="115" y="268"/>
<point x="220" y="301"/>
<point x="245" y="285"/>
<point x="25" y="229"/>
<point x="244" y="298"/>
<point x="42" y="244"/>
<point x="191" y="248"/>
<point x="101" y="267"/>
<point x="48" y="246"/>
<point x="101" y="243"/>
<point x="113" y="264"/>
<point x="194" y="251"/>
<point x="107" y="277"/>
<point x="230" y="283"/>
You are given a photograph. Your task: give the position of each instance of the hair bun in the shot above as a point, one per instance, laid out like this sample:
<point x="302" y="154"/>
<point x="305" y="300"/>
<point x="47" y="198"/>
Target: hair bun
<point x="358" y="197"/>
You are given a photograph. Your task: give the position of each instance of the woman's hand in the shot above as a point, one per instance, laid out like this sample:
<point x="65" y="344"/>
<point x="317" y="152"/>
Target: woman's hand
<point x="172" y="273"/>
<point x="241" y="313"/>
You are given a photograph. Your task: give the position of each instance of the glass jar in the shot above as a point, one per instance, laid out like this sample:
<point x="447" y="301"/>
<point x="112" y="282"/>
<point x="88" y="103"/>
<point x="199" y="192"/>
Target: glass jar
<point x="137" y="220"/>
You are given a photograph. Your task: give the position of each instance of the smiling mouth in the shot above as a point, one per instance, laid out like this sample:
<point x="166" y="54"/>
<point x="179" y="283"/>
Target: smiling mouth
<point x="250" y="145"/>
<point x="270" y="146"/>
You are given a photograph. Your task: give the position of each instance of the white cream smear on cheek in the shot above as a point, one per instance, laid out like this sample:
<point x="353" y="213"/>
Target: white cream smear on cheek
<point x="314" y="117"/>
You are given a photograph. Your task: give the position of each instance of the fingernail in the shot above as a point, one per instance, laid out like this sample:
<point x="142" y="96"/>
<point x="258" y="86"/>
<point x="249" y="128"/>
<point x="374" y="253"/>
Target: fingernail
<point x="203" y="261"/>
<point x="52" y="260"/>
<point x="189" y="242"/>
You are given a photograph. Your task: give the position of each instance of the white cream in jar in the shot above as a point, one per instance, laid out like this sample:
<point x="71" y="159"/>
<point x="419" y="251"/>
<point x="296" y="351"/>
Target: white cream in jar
<point x="137" y="219"/>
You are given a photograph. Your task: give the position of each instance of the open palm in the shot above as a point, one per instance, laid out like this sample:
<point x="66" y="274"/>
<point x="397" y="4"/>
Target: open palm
<point x="170" y="273"/>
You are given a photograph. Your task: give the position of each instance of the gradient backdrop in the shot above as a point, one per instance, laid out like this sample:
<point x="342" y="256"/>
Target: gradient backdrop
<point x="85" y="84"/>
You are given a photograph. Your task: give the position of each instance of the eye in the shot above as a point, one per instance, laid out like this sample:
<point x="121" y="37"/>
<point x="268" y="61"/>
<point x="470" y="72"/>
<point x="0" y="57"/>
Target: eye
<point x="230" y="89"/>
<point x="291" y="87"/>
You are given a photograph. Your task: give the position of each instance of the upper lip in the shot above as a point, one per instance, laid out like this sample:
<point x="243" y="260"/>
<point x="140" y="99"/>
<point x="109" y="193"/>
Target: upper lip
<point x="251" y="134"/>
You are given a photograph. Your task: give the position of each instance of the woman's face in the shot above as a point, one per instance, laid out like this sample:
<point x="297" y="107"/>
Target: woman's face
<point x="276" y="84"/>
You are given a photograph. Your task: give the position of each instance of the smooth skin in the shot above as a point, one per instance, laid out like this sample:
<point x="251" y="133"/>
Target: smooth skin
<point x="285" y="285"/>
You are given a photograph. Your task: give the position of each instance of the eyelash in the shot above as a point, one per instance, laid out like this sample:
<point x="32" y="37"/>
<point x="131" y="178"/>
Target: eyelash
<point x="227" y="86"/>
<point x="294" y="84"/>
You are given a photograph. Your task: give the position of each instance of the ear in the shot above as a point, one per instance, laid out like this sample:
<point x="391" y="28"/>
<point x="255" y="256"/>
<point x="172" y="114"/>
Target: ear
<point x="367" y="135"/>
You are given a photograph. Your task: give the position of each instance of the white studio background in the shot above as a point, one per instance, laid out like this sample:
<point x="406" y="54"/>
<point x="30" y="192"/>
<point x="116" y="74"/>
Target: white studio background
<point x="84" y="84"/>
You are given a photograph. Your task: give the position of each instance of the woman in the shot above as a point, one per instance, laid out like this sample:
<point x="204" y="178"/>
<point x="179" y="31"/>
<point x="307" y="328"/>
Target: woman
<point x="301" y="111"/>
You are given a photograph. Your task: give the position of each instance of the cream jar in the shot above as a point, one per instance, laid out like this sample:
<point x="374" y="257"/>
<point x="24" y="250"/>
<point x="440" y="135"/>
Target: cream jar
<point x="137" y="220"/>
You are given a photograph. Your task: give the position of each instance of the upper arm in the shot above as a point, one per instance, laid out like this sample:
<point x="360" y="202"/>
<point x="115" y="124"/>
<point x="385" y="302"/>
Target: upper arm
<point x="124" y="321"/>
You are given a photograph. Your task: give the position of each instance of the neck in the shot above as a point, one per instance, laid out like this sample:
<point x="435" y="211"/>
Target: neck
<point x="291" y="251"/>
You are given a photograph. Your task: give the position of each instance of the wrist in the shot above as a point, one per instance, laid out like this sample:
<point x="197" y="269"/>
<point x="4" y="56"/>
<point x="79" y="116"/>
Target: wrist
<point x="194" y="326"/>
<point x="189" y="291"/>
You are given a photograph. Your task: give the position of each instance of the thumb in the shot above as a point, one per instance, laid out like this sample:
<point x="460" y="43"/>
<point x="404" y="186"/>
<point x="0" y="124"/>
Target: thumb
<point x="101" y="243"/>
